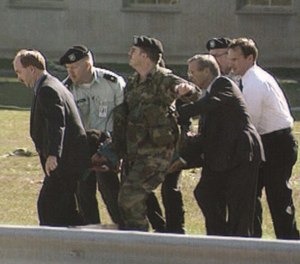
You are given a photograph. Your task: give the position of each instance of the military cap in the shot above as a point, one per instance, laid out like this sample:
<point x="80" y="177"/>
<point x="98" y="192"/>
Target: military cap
<point x="218" y="43"/>
<point x="148" y="42"/>
<point x="73" y="54"/>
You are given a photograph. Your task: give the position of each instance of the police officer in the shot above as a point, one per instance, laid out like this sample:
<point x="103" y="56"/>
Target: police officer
<point x="96" y="92"/>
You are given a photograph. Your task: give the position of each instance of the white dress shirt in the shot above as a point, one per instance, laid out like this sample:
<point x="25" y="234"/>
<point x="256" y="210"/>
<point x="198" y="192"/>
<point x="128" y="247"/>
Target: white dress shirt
<point x="265" y="101"/>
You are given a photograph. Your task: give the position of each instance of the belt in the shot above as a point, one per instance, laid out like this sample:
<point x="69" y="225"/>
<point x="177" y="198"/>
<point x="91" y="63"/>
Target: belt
<point x="280" y="132"/>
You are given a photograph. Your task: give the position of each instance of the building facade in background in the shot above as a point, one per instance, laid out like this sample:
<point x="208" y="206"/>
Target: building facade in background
<point x="184" y="26"/>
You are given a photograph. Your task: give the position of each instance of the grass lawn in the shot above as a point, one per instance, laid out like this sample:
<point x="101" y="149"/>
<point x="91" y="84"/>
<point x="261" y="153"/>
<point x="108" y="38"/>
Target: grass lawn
<point x="20" y="180"/>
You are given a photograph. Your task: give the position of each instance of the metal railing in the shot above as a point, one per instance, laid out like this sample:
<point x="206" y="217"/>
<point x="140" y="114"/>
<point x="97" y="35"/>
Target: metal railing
<point x="42" y="245"/>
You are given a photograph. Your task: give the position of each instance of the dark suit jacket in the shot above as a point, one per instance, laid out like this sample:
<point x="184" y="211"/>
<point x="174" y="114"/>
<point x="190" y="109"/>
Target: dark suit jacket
<point x="56" y="128"/>
<point x="227" y="134"/>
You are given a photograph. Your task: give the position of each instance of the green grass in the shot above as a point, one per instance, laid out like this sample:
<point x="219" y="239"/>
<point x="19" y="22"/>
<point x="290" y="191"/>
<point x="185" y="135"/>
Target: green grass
<point x="20" y="180"/>
<point x="19" y="176"/>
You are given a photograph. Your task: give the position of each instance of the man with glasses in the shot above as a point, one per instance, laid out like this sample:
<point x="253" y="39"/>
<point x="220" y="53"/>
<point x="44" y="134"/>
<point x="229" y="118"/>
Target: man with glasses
<point x="218" y="47"/>
<point x="232" y="151"/>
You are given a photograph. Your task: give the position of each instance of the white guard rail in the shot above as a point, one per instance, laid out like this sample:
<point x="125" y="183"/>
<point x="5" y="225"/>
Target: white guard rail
<point x="40" y="245"/>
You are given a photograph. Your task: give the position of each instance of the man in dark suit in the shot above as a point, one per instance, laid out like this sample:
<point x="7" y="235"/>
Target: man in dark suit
<point x="59" y="138"/>
<point x="232" y="151"/>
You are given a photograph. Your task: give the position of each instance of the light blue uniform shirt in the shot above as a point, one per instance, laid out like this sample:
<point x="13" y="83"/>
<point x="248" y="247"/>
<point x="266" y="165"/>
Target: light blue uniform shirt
<point x="97" y="99"/>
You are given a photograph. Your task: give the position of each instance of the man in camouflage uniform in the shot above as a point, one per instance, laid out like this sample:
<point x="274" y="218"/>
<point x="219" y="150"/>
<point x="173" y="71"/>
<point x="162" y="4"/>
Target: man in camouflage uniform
<point x="151" y="129"/>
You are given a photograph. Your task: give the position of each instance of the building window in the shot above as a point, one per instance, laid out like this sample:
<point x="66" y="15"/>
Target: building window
<point x="270" y="3"/>
<point x="151" y="2"/>
<point x="37" y="4"/>
<point x="151" y="5"/>
<point x="265" y="6"/>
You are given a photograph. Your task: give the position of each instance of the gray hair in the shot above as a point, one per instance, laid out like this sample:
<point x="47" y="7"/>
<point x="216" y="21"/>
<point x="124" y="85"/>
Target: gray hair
<point x="206" y="61"/>
<point x="90" y="58"/>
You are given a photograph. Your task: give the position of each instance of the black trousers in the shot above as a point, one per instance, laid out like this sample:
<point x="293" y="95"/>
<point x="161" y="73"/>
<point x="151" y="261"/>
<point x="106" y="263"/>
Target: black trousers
<point x="281" y="150"/>
<point x="173" y="207"/>
<point x="227" y="199"/>
<point x="108" y="184"/>
<point x="56" y="202"/>
<point x="173" y="203"/>
<point x="155" y="214"/>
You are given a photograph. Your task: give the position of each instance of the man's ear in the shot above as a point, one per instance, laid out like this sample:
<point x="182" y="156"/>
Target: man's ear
<point x="31" y="68"/>
<point x="206" y="71"/>
<point x="144" y="54"/>
<point x="250" y="58"/>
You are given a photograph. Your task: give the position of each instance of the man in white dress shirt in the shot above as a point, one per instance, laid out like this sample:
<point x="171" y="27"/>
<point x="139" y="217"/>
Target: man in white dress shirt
<point x="270" y="113"/>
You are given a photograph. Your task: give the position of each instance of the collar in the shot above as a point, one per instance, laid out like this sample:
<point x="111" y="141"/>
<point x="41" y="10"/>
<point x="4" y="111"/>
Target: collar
<point x="154" y="71"/>
<point x="96" y="78"/>
<point x="208" y="89"/>
<point x="96" y="75"/>
<point x="151" y="73"/>
<point x="38" y="82"/>
<point x="252" y="68"/>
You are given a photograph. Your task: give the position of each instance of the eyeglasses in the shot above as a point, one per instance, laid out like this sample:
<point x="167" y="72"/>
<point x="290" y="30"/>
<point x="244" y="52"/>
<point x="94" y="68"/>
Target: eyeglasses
<point x="219" y="55"/>
<point x="191" y="74"/>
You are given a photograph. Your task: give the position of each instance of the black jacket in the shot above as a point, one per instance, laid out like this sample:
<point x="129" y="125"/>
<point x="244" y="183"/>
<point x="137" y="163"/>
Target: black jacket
<point x="56" y="128"/>
<point x="227" y="134"/>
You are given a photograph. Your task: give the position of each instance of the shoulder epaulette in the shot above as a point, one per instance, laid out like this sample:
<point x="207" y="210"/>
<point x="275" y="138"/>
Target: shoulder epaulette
<point x="110" y="77"/>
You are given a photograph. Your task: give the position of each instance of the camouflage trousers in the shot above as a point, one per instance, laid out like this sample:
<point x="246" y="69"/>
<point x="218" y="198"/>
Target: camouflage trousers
<point x="144" y="174"/>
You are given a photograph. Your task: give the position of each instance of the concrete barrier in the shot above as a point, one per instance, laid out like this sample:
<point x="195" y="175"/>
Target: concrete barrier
<point x="40" y="245"/>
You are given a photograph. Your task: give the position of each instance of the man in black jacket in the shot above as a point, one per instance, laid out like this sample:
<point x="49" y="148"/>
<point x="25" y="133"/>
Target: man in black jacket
<point x="232" y="151"/>
<point x="59" y="138"/>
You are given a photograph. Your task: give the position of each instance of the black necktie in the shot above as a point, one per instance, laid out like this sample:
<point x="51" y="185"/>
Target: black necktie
<point x="241" y="85"/>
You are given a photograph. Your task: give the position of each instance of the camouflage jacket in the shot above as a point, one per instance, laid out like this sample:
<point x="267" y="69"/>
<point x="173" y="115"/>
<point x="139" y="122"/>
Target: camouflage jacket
<point x="149" y="120"/>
